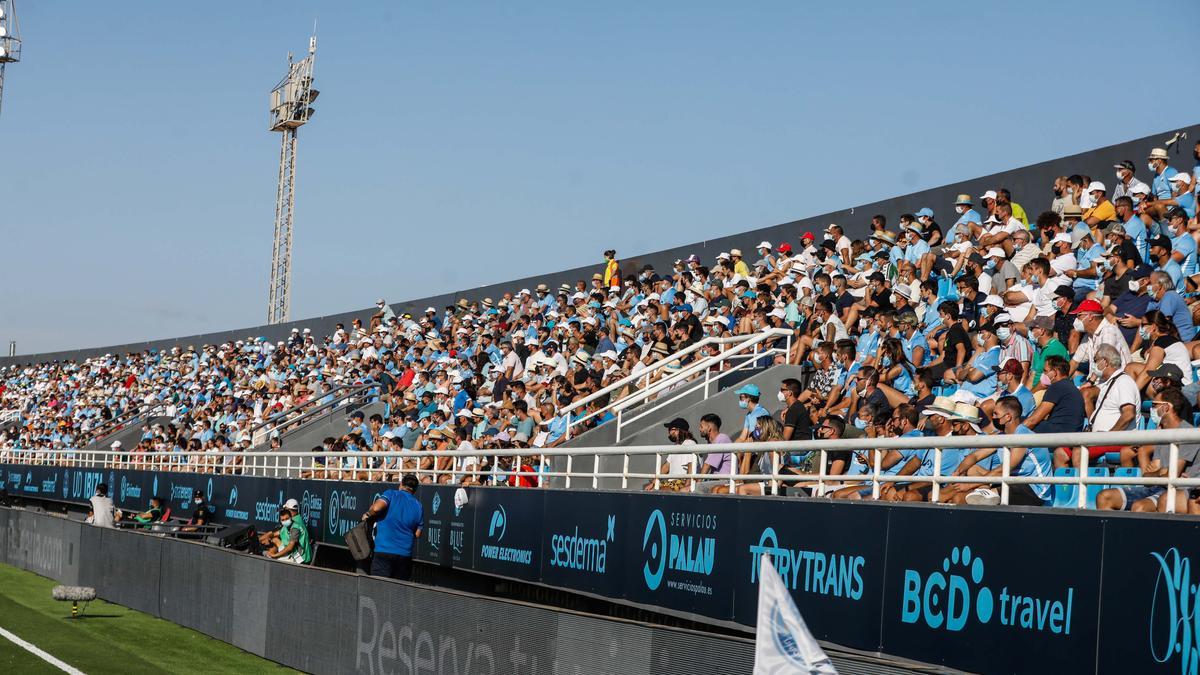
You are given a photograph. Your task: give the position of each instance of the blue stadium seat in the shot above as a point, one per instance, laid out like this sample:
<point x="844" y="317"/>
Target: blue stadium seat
<point x="1127" y="472"/>
<point x="1093" y="490"/>
<point x="1065" y="495"/>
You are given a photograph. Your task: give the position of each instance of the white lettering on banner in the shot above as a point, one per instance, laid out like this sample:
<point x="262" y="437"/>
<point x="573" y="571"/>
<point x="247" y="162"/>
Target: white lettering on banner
<point x="386" y="648"/>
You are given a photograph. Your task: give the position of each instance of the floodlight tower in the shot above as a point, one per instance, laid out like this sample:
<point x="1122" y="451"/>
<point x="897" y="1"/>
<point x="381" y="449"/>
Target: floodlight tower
<point x="10" y="39"/>
<point x="290" y="109"/>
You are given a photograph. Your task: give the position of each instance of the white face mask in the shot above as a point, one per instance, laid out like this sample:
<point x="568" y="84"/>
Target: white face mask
<point x="960" y="209"/>
<point x="780" y="396"/>
<point x="1078" y="325"/>
<point x="1151" y="167"/>
<point x="1135" y="286"/>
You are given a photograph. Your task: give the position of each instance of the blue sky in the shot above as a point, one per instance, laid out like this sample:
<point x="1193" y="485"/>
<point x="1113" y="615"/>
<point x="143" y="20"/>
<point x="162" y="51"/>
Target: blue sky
<point x="457" y="144"/>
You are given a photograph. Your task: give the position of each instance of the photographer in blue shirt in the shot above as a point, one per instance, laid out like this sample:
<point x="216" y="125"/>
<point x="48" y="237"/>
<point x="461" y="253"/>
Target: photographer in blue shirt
<point x="397" y="531"/>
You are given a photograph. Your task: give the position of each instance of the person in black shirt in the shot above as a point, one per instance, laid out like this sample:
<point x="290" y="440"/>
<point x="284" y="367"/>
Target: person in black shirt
<point x="1064" y="302"/>
<point x="956" y="344"/>
<point x="201" y="513"/>
<point x="1061" y="409"/>
<point x="797" y="420"/>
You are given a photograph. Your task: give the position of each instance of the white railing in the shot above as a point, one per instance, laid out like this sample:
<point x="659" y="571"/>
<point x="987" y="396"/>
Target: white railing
<point x="442" y="466"/>
<point x="650" y="383"/>
<point x="7" y="416"/>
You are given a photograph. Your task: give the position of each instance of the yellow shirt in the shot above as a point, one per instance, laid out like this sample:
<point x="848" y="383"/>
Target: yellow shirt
<point x="1019" y="213"/>
<point x="742" y="268"/>
<point x="609" y="270"/>
<point x="1103" y="212"/>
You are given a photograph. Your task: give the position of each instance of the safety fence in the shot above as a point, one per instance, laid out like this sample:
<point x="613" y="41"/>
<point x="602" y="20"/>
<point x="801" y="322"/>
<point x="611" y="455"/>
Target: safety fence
<point x="784" y="465"/>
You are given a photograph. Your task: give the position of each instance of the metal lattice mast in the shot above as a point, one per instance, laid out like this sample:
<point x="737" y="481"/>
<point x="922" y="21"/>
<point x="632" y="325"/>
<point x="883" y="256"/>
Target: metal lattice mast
<point x="290" y="109"/>
<point x="10" y="39"/>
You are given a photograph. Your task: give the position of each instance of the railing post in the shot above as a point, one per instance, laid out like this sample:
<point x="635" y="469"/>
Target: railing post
<point x="625" y="472"/>
<point x="1005" y="473"/>
<point x="878" y="466"/>
<point x="1172" y="474"/>
<point x="570" y="459"/>
<point x="775" y="472"/>
<point x="1081" y="498"/>
<point x="821" y="474"/>
<point x="935" y="493"/>
<point x="595" y="471"/>
<point x="657" y="464"/>
<point x="620" y="415"/>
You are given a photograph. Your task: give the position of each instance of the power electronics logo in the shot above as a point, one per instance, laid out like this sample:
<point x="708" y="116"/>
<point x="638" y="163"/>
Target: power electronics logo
<point x="1173" y="619"/>
<point x="497" y="528"/>
<point x="580" y="552"/>
<point x="818" y="572"/>
<point x="950" y="597"/>
<point x="683" y="543"/>
<point x="230" y="511"/>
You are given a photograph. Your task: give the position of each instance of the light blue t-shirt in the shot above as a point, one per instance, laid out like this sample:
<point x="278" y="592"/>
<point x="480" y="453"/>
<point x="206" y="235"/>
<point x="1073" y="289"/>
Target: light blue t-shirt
<point x="1174" y="307"/>
<point x="986" y="363"/>
<point x="1186" y="245"/>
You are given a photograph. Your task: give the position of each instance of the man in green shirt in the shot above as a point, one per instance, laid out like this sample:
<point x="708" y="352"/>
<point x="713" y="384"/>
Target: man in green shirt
<point x="1046" y="344"/>
<point x="153" y="514"/>
<point x="291" y="543"/>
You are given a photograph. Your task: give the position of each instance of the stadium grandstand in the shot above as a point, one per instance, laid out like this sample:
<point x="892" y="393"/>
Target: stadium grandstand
<point x="1060" y="309"/>
<point x="1018" y="349"/>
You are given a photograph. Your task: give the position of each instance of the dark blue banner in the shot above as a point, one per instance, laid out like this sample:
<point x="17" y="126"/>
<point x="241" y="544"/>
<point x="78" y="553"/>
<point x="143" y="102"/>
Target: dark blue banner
<point x="448" y="537"/>
<point x="508" y="532"/>
<point x="681" y="553"/>
<point x="585" y="549"/>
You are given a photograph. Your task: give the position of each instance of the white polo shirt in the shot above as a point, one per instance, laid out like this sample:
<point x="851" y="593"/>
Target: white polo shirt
<point x="1118" y="391"/>
<point x="1106" y="334"/>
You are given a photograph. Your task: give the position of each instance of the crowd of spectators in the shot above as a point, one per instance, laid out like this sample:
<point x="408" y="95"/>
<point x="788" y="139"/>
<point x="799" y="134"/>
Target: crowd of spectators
<point x="990" y="320"/>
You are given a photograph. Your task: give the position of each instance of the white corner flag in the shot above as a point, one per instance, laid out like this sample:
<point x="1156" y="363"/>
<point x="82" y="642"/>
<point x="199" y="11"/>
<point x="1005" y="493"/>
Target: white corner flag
<point x="782" y="643"/>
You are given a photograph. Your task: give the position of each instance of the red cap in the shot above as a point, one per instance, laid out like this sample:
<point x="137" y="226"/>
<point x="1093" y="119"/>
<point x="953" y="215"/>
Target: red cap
<point x="1088" y="306"/>
<point x="785" y="248"/>
<point x="1014" y="367"/>
<point x="807" y="235"/>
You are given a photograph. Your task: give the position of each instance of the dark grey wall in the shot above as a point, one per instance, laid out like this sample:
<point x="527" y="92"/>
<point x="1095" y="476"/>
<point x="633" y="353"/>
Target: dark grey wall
<point x="322" y="621"/>
<point x="1030" y="186"/>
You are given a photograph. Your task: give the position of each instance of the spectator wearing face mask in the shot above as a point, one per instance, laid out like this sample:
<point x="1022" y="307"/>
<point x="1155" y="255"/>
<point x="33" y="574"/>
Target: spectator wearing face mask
<point x="1096" y="330"/>
<point x="677" y="464"/>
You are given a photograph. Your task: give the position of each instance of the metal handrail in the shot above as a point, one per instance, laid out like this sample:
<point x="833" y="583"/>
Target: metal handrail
<point x="123" y="422"/>
<point x="360" y="465"/>
<point x="275" y="419"/>
<point x="294" y="424"/>
<point x="742" y="341"/>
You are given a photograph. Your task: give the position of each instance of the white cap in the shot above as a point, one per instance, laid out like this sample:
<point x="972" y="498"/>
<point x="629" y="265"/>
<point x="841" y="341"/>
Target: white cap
<point x="995" y="252"/>
<point x="1180" y="176"/>
<point x="777" y="313"/>
<point x="115" y="444"/>
<point x="1061" y="237"/>
<point x="993" y="301"/>
<point x="990" y="194"/>
<point x="292" y="505"/>
<point x="1096" y="185"/>
<point x="381" y="301"/>
<point x="1140" y="189"/>
<point x="765" y="244"/>
<point x="722" y="256"/>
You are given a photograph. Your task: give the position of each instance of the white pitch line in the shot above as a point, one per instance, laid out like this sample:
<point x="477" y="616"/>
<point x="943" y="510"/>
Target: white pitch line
<point x="31" y="648"/>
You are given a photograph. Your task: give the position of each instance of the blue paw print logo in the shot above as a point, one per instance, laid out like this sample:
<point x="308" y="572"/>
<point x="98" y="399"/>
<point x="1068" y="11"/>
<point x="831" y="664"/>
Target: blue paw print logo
<point x="984" y="602"/>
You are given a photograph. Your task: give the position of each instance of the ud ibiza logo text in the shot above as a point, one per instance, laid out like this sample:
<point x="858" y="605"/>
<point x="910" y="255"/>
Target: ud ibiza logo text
<point x="497" y="528"/>
<point x="1174" y="629"/>
<point x="810" y="571"/>
<point x="578" y="552"/>
<point x="950" y="597"/>
<point x="682" y="542"/>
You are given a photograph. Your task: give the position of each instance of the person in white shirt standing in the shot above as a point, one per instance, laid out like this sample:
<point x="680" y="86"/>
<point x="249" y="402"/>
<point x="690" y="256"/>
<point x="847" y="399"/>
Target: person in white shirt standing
<point x="104" y="514"/>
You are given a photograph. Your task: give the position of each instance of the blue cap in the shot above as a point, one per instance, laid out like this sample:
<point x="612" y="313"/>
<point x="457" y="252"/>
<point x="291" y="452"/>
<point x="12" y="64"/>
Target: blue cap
<point x="925" y="213"/>
<point x="685" y="307"/>
<point x="750" y="294"/>
<point x="749" y="390"/>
